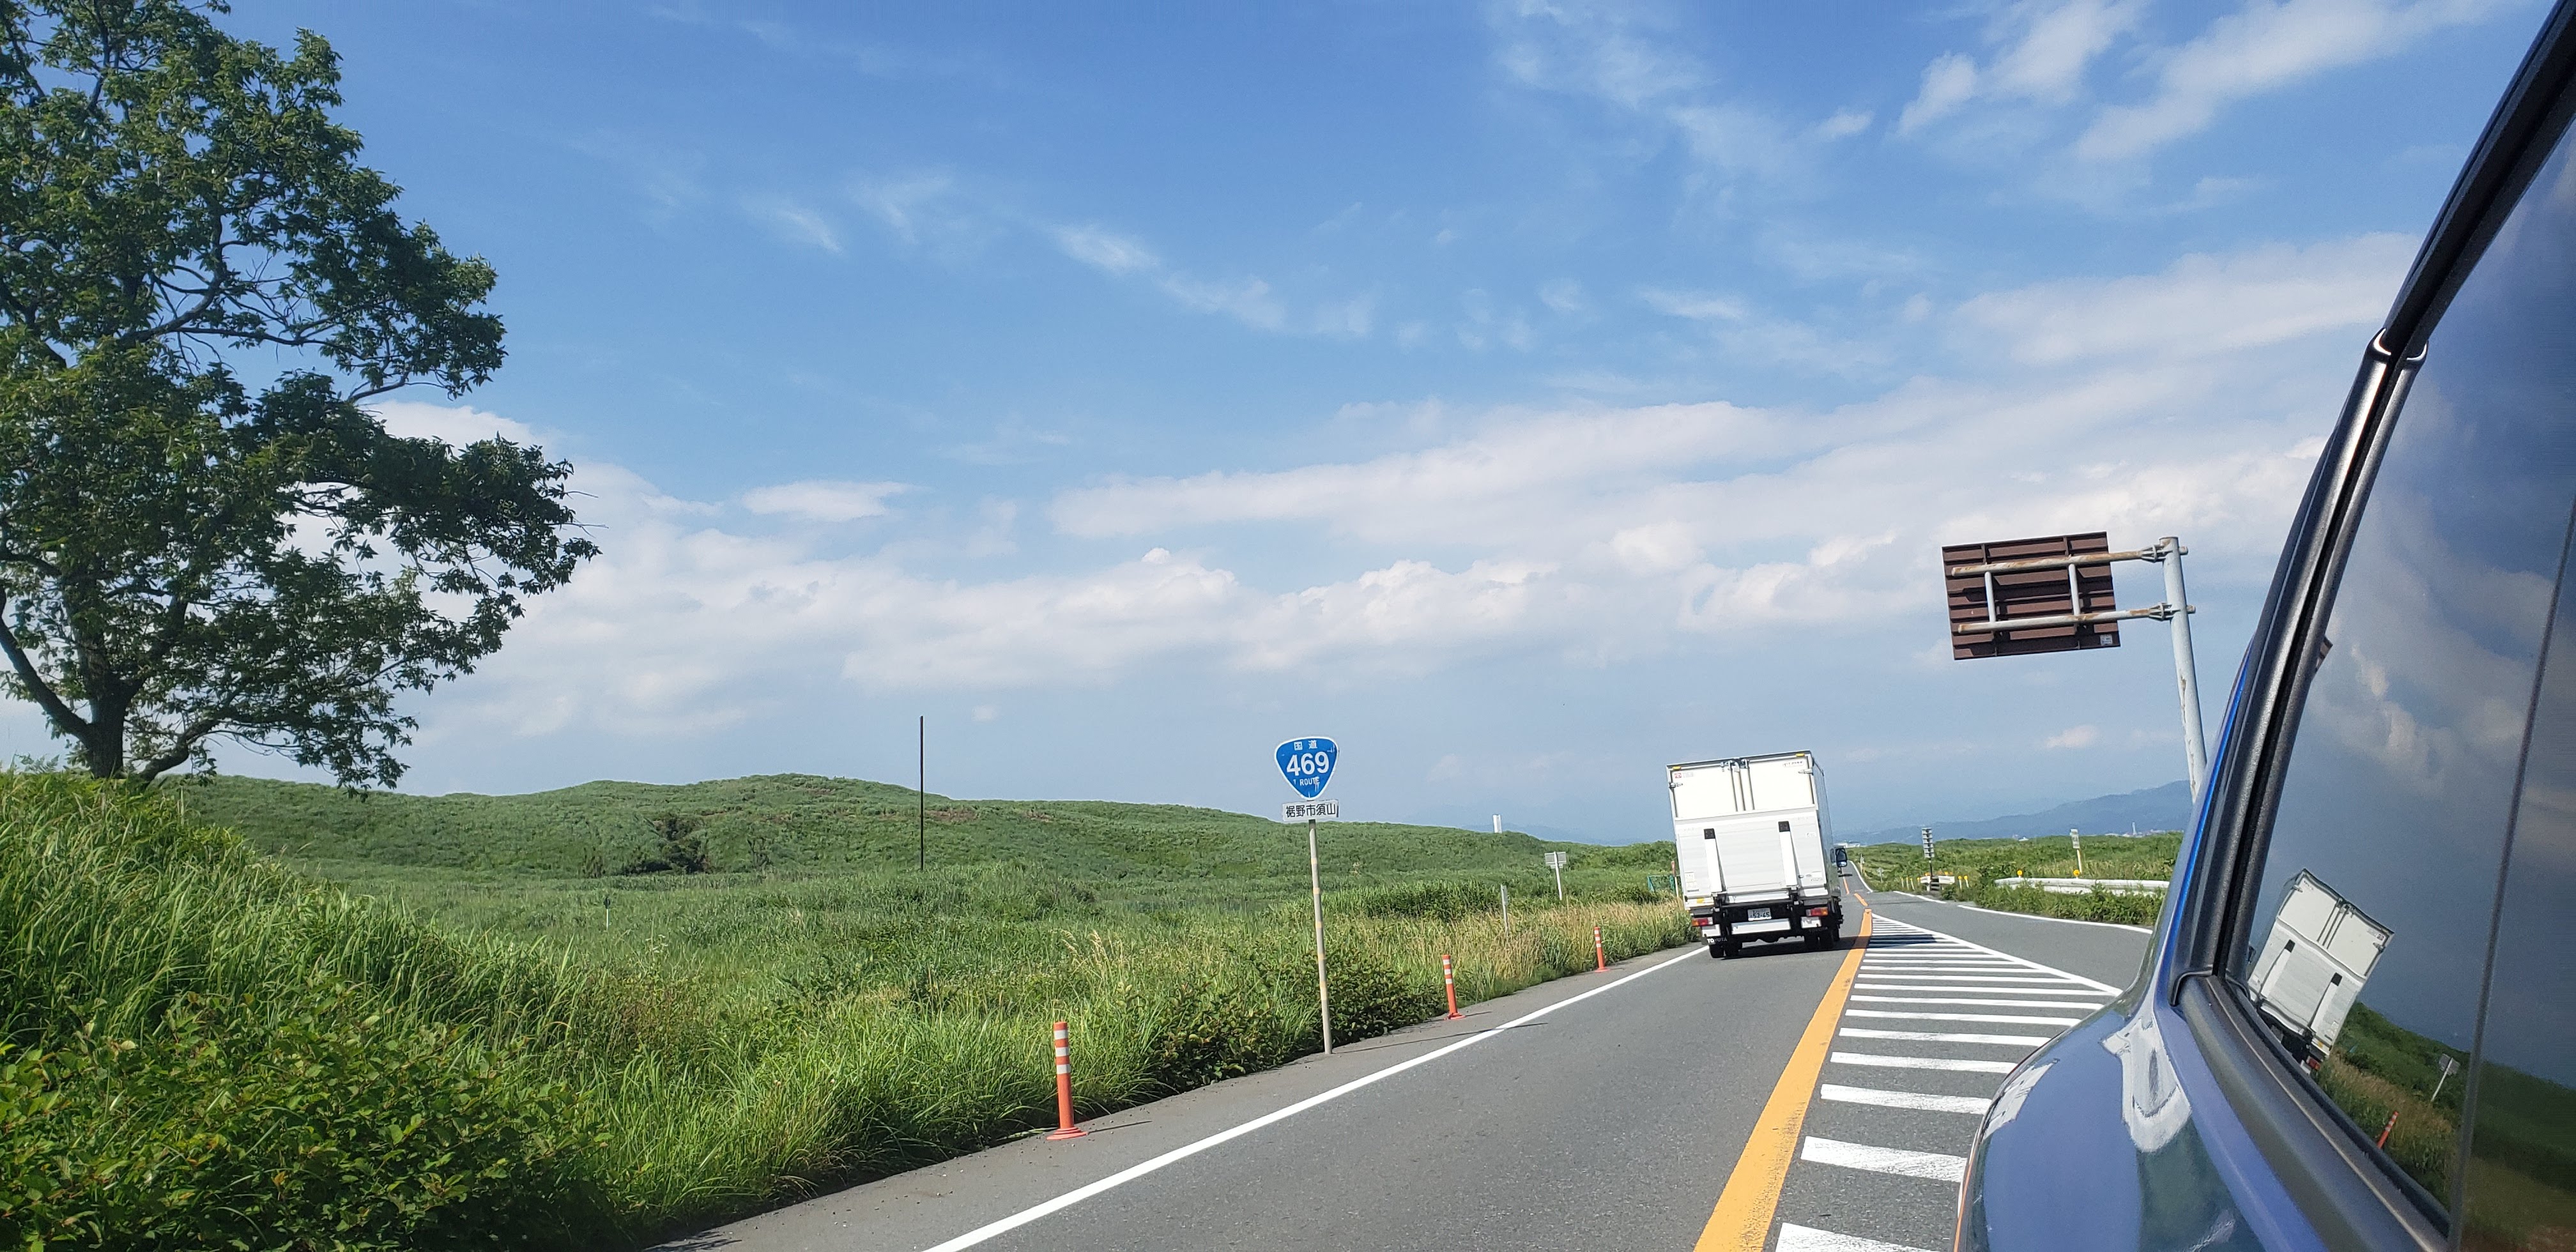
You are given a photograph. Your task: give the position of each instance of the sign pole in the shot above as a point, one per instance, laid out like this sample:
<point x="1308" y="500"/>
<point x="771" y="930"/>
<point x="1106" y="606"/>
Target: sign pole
<point x="2195" y="751"/>
<point x="1323" y="994"/>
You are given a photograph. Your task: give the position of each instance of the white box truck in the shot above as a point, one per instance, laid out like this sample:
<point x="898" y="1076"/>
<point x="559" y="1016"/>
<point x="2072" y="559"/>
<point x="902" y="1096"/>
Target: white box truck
<point x="2320" y="952"/>
<point x="1749" y="834"/>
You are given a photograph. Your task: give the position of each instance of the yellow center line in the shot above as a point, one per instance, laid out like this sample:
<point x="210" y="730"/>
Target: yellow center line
<point x="1742" y="1222"/>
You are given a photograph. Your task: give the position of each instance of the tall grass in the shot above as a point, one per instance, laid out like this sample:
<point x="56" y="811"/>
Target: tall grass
<point x="206" y="1049"/>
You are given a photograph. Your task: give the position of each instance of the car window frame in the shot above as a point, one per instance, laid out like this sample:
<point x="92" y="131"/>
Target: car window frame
<point x="2338" y="1182"/>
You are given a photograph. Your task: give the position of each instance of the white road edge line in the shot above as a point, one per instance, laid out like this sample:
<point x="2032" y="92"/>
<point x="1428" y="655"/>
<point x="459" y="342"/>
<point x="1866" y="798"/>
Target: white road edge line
<point x="1187" y="1150"/>
<point x="1797" y="1238"/>
<point x="1938" y="1166"/>
<point x="2071" y="921"/>
<point x="1925" y="1101"/>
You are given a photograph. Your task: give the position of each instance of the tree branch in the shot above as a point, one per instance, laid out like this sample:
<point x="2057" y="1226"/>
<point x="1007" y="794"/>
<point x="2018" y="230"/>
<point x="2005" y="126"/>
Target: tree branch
<point x="180" y="748"/>
<point x="37" y="688"/>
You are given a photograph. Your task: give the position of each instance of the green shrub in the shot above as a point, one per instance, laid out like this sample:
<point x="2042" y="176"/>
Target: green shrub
<point x="2097" y="905"/>
<point x="301" y="1122"/>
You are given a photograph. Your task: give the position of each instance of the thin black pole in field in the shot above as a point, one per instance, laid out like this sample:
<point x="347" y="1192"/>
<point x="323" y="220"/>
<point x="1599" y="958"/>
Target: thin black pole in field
<point x="921" y="795"/>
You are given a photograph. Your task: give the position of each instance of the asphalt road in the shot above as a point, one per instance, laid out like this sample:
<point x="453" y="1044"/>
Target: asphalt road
<point x="1611" y="1120"/>
<point x="1946" y="1001"/>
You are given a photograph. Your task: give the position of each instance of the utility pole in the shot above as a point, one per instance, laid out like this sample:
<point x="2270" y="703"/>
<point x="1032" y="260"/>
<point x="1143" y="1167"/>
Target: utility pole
<point x="921" y="794"/>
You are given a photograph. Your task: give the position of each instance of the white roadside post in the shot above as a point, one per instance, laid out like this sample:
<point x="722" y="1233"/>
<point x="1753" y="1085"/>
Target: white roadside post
<point x="1556" y="866"/>
<point x="1323" y="990"/>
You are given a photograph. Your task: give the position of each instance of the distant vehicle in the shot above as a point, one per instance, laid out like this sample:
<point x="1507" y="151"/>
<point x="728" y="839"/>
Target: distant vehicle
<point x="1749" y="834"/>
<point x="2320" y="952"/>
<point x="2383" y="1063"/>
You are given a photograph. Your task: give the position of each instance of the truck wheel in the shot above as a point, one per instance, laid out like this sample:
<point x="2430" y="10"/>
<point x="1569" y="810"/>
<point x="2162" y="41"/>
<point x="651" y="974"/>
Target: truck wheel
<point x="1716" y="950"/>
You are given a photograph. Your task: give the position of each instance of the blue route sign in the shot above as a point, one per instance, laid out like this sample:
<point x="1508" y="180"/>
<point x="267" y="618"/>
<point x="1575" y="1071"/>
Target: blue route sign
<point x="1307" y="764"/>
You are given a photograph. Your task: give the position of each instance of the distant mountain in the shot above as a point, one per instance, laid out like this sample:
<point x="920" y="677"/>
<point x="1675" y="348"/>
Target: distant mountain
<point x="2156" y="808"/>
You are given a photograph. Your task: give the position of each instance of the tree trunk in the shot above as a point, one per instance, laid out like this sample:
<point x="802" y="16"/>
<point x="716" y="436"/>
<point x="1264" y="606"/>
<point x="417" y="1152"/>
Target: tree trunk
<point x="102" y="748"/>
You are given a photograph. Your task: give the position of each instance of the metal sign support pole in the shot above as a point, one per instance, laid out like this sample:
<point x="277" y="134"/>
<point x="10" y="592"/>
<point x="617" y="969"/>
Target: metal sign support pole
<point x="2195" y="750"/>
<point x="1323" y="994"/>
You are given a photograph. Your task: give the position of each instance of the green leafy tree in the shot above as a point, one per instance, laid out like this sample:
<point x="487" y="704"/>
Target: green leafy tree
<point x="204" y="533"/>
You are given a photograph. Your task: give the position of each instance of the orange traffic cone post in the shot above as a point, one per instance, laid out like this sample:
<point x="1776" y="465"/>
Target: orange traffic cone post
<point x="1064" y="1127"/>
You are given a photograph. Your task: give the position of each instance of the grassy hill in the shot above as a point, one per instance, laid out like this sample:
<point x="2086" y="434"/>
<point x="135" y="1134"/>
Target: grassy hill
<point x="802" y="825"/>
<point x="211" y="1039"/>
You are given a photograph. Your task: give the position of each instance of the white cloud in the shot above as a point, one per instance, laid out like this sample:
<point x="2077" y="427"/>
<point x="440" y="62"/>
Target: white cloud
<point x="2073" y="737"/>
<point x="457" y="425"/>
<point x="2200" y="304"/>
<point x="1736" y="328"/>
<point x="1622" y="57"/>
<point x="1948" y="82"/>
<point x="823" y="501"/>
<point x="1247" y="300"/>
<point x="1845" y="124"/>
<point x="2265" y="46"/>
<point x="2043" y="53"/>
<point x="1588" y="533"/>
<point x="794" y="222"/>
<point x="1106" y="252"/>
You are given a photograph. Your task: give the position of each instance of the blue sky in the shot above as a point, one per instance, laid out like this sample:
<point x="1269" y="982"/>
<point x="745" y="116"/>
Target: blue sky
<point x="1525" y="395"/>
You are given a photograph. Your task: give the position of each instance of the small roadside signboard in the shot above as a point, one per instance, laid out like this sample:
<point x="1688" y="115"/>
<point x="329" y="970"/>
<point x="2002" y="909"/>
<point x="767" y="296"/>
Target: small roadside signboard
<point x="1307" y="764"/>
<point x="2039" y="584"/>
<point x="1310" y="810"/>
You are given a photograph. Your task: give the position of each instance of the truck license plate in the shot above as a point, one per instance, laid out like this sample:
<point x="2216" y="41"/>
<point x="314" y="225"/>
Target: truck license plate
<point x="1757" y="915"/>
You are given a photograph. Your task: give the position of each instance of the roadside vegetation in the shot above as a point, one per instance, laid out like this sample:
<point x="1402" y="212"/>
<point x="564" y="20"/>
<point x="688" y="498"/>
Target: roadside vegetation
<point x="1979" y="863"/>
<point x="211" y="1046"/>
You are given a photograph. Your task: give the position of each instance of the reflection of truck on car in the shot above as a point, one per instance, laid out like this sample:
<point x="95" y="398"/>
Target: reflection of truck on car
<point x="2320" y="952"/>
<point x="1749" y="834"/>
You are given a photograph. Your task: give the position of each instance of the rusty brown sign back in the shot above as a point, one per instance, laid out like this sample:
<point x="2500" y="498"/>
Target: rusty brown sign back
<point x="2037" y="582"/>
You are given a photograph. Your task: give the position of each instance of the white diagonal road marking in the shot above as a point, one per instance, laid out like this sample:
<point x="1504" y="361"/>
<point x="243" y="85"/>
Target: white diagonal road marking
<point x="1921" y="1062"/>
<point x="1903" y="1099"/>
<point x="2014" y="1018"/>
<point x="1931" y="1036"/>
<point x="1797" y="1238"/>
<point x="1939" y="1166"/>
